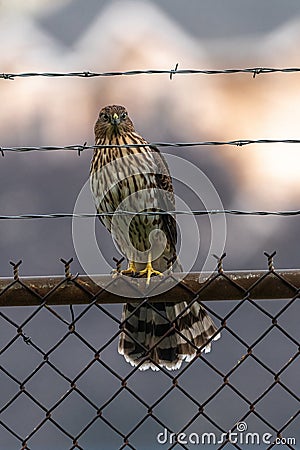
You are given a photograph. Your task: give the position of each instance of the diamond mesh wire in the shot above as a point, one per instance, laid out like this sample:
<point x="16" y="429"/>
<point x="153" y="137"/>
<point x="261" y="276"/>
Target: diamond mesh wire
<point x="64" y="386"/>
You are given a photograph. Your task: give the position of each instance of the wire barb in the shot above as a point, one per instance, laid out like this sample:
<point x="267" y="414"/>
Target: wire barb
<point x="67" y="264"/>
<point x="170" y="261"/>
<point x="16" y="269"/>
<point x="270" y="260"/>
<point x="173" y="71"/>
<point x="257" y="71"/>
<point x="220" y="268"/>
<point x="81" y="148"/>
<point x="118" y="263"/>
<point x="7" y="76"/>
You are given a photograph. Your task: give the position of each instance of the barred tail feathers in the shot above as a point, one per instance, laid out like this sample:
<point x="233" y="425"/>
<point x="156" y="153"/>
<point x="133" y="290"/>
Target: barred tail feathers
<point x="149" y="334"/>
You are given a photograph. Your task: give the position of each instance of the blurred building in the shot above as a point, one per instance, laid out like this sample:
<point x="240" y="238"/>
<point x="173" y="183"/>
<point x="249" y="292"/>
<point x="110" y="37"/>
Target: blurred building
<point x="61" y="111"/>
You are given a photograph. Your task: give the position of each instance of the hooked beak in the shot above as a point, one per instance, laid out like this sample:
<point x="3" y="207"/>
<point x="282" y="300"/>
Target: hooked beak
<point x="115" y="120"/>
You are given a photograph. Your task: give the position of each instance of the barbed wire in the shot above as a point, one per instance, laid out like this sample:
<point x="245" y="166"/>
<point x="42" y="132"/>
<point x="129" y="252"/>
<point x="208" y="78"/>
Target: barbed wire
<point x="211" y="212"/>
<point x="87" y="74"/>
<point x="79" y="148"/>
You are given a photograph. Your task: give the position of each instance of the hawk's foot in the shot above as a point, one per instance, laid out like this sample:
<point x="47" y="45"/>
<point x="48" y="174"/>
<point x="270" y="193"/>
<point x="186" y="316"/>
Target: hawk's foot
<point x="131" y="269"/>
<point x="149" y="271"/>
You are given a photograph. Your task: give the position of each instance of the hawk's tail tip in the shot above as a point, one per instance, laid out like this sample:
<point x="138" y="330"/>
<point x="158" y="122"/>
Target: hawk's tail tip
<point x="152" y="342"/>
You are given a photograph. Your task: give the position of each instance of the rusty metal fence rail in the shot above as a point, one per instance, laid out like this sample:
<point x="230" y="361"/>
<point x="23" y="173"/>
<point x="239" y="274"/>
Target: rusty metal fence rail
<point x="24" y="397"/>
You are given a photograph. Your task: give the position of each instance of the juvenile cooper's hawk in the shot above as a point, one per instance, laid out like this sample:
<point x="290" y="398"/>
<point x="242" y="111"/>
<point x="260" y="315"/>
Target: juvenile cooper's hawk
<point x="138" y="179"/>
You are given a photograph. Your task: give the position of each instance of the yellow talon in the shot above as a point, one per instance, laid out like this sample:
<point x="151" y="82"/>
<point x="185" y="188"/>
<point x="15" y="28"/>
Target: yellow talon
<point x="149" y="271"/>
<point x="131" y="269"/>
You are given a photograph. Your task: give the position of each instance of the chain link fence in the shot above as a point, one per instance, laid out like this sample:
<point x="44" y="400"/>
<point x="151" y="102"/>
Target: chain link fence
<point x="64" y="386"/>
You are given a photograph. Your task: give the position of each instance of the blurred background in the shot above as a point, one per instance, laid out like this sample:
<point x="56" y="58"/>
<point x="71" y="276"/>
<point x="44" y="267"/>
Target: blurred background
<point x="95" y="35"/>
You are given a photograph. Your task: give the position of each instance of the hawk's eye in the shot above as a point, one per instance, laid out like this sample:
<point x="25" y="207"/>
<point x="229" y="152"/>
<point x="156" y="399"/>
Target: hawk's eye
<point x="124" y="115"/>
<point x="104" y="116"/>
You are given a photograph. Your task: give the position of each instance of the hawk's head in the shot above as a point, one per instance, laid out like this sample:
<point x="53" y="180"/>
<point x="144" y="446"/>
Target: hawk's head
<point x="113" y="120"/>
